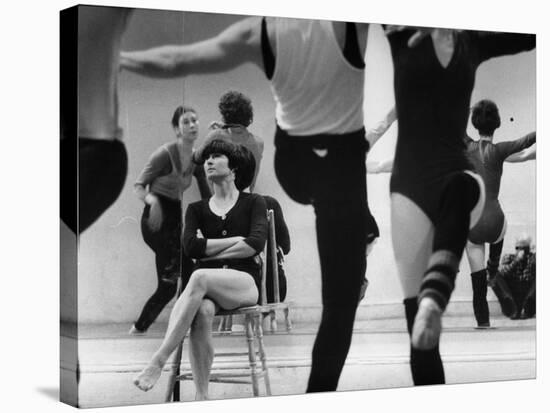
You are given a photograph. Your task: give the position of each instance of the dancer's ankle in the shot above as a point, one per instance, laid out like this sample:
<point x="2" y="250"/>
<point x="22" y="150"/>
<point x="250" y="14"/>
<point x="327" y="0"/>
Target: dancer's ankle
<point x="430" y="303"/>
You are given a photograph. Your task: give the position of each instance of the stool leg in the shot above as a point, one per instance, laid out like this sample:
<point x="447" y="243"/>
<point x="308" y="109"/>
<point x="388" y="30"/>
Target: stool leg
<point x="287" y="319"/>
<point x="273" y="318"/>
<point x="249" y="329"/>
<point x="225" y="323"/>
<point x="260" y="338"/>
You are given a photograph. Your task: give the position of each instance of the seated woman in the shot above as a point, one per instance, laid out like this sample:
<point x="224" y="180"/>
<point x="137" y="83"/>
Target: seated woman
<point x="224" y="233"/>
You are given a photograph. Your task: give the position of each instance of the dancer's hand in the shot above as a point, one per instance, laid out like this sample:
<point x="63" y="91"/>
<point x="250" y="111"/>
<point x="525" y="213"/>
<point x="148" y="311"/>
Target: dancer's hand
<point x="215" y="125"/>
<point x="520" y="255"/>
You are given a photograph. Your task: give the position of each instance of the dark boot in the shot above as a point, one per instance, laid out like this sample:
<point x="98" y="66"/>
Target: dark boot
<point x="529" y="304"/>
<point x="505" y="298"/>
<point x="481" y="307"/>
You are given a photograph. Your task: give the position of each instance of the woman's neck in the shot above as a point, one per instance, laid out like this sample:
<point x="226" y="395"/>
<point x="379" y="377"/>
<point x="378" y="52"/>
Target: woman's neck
<point x="184" y="144"/>
<point x="486" y="138"/>
<point x="225" y="191"/>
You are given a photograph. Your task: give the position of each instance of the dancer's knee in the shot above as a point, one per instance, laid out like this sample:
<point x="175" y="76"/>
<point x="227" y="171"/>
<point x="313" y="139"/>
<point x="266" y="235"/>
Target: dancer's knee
<point x="198" y="281"/>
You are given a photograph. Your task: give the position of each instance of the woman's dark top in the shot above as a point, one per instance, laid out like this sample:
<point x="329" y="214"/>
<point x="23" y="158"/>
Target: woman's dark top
<point x="432" y="104"/>
<point x="247" y="218"/>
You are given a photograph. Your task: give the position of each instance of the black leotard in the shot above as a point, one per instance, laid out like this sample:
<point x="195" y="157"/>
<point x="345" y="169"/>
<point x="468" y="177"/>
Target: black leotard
<point x="488" y="159"/>
<point x="432" y="104"/>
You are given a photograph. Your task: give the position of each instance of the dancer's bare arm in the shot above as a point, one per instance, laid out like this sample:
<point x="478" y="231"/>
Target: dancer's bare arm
<point x="238" y="44"/>
<point x="525" y="155"/>
<point x="378" y="167"/>
<point x="381" y="128"/>
<point x="239" y="250"/>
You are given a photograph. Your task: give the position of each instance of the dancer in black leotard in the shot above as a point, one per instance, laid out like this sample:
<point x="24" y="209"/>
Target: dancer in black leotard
<point x="488" y="159"/>
<point x="90" y="134"/>
<point x="433" y="188"/>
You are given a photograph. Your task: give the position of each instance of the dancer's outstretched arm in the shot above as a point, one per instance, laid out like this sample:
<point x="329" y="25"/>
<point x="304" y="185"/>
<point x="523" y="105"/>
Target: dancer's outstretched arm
<point x="525" y="155"/>
<point x="236" y="45"/>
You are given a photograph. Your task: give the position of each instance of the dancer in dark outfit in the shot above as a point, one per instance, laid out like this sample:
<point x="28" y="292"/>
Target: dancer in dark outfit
<point x="434" y="193"/>
<point x="90" y="134"/>
<point x="488" y="159"/>
<point x="316" y="70"/>
<point x="160" y="186"/>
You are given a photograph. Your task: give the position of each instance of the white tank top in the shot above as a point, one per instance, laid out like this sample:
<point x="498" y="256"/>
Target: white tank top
<point x="316" y="89"/>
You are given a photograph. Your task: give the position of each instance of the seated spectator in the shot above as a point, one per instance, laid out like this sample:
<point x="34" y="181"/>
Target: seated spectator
<point x="224" y="234"/>
<point x="517" y="280"/>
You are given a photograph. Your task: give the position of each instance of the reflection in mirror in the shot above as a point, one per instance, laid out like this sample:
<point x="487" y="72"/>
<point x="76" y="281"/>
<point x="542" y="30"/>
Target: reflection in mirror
<point x="160" y="185"/>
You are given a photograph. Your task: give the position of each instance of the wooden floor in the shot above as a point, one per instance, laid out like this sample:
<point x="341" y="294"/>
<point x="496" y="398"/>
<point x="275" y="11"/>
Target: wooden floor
<point x="378" y="358"/>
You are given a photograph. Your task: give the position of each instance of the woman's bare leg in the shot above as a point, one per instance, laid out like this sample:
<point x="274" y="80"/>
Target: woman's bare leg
<point x="409" y="222"/>
<point x="201" y="351"/>
<point x="476" y="256"/>
<point x="228" y="288"/>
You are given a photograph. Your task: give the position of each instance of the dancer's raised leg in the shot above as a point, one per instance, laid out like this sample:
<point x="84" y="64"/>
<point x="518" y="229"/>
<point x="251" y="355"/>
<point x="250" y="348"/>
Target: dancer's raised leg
<point x="409" y="222"/>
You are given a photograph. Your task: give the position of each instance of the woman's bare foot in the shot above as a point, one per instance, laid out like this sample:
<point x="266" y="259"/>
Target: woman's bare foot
<point x="148" y="377"/>
<point x="427" y="325"/>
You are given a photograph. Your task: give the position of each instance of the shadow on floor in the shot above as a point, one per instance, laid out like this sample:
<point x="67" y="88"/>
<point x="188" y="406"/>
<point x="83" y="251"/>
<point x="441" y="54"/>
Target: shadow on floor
<point x="50" y="392"/>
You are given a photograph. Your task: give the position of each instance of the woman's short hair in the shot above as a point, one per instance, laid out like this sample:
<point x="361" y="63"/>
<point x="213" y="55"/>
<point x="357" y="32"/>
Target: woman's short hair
<point x="180" y="110"/>
<point x="241" y="160"/>
<point x="236" y="108"/>
<point x="485" y="117"/>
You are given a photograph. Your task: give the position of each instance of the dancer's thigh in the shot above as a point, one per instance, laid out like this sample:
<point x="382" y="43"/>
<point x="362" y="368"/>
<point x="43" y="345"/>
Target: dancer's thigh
<point x="412" y="238"/>
<point x="229" y="288"/>
<point x="476" y="256"/>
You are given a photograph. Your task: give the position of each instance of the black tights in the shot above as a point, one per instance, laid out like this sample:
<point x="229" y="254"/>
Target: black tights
<point x="334" y="183"/>
<point x="169" y="259"/>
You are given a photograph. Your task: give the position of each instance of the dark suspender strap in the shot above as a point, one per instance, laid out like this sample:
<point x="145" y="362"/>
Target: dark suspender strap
<point x="267" y="53"/>
<point x="352" y="52"/>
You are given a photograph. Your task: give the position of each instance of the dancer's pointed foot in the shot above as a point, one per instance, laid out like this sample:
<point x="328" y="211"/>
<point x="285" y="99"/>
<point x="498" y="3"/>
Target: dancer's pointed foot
<point x="148" y="377"/>
<point x="427" y="325"/>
